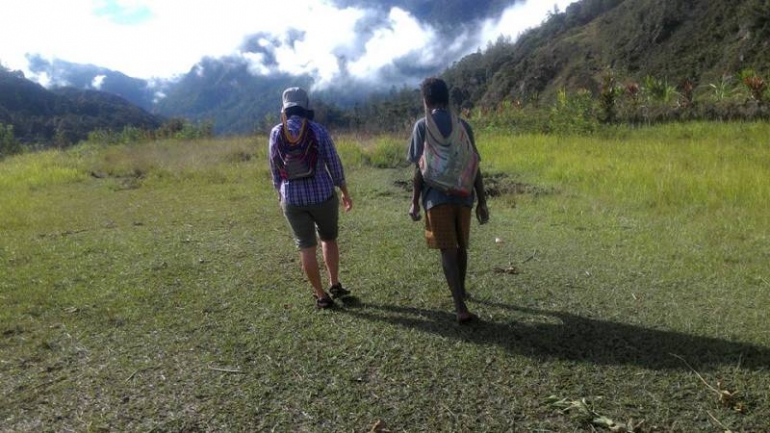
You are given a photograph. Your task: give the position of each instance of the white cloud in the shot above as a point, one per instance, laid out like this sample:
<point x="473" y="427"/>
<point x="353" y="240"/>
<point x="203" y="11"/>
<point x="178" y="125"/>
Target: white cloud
<point x="523" y="16"/>
<point x="327" y="31"/>
<point x="98" y="81"/>
<point x="164" y="38"/>
<point x="403" y="35"/>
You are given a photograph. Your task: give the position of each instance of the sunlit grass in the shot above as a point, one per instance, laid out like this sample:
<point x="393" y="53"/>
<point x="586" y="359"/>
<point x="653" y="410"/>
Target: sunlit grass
<point x="706" y="167"/>
<point x="155" y="287"/>
<point x="30" y="171"/>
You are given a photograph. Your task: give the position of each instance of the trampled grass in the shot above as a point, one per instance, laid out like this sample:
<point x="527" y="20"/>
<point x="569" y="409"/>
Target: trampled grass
<point x="155" y="288"/>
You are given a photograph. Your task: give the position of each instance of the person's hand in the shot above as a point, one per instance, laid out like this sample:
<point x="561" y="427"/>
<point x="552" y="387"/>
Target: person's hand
<point x="347" y="203"/>
<point x="482" y="213"/>
<point x="414" y="212"/>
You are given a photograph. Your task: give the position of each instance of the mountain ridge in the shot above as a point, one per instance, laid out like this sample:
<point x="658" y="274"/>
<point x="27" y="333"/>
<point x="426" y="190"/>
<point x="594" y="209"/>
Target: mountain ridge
<point x="64" y="116"/>
<point x="671" y="40"/>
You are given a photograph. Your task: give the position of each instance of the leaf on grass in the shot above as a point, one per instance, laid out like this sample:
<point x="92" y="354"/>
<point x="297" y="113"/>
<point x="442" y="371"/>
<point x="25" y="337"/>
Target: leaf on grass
<point x="379" y="427"/>
<point x="511" y="270"/>
<point x="581" y="410"/>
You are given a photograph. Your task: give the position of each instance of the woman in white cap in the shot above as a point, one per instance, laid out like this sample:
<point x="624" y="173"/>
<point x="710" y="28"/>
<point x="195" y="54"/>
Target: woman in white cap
<point x="306" y="169"/>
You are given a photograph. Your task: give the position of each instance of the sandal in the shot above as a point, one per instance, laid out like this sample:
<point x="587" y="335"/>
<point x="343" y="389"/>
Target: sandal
<point x="325" y="302"/>
<point x="338" y="291"/>
<point x="470" y="318"/>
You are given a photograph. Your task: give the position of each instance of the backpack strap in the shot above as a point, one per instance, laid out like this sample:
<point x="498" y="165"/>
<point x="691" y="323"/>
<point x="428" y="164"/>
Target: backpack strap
<point x="296" y="156"/>
<point x="286" y="133"/>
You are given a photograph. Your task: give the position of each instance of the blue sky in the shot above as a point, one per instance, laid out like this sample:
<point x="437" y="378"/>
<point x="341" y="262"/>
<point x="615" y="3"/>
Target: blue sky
<point x="164" y="38"/>
<point x="123" y="14"/>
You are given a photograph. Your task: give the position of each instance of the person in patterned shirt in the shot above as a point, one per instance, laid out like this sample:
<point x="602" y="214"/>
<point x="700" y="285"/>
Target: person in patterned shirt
<point x="310" y="202"/>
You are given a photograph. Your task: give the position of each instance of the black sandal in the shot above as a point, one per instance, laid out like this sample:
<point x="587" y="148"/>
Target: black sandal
<point x="325" y="302"/>
<point x="338" y="291"/>
<point x="470" y="318"/>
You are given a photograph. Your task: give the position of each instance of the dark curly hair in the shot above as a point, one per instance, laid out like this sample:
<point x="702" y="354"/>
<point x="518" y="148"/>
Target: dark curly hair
<point x="435" y="92"/>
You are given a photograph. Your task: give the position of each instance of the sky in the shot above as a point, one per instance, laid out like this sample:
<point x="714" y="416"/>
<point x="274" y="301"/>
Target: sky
<point x="161" y="39"/>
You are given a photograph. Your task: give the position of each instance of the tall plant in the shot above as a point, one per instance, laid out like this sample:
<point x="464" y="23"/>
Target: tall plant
<point x="721" y="89"/>
<point x="608" y="97"/>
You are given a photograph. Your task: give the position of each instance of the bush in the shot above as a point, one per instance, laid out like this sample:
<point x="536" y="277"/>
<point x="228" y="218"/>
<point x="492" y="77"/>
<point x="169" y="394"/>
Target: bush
<point x="182" y="129"/>
<point x="8" y="143"/>
<point x="573" y="114"/>
<point x="174" y="129"/>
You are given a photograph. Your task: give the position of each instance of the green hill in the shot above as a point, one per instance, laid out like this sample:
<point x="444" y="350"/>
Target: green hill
<point x="672" y="40"/>
<point x="63" y="116"/>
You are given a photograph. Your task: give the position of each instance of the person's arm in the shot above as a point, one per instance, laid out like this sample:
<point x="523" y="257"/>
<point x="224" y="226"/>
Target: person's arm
<point x="276" y="176"/>
<point x="482" y="211"/>
<point x="417" y="183"/>
<point x="334" y="165"/>
<point x="413" y="155"/>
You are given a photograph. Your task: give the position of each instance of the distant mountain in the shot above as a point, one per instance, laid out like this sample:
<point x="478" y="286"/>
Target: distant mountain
<point x="61" y="73"/>
<point x="224" y="92"/>
<point x="63" y="116"/>
<point x="671" y="40"/>
<point x="231" y="93"/>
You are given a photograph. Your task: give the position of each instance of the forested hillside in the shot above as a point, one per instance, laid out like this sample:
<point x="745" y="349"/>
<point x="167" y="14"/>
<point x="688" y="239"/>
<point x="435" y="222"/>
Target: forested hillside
<point x="700" y="41"/>
<point x="63" y="116"/>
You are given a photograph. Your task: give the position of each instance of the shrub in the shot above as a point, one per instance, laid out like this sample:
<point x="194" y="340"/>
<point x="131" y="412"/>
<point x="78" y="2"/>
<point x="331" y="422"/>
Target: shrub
<point x="8" y="143"/>
<point x="573" y="113"/>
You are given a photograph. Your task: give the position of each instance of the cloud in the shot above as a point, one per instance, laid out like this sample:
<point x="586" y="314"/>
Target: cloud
<point x="332" y="41"/>
<point x="519" y="18"/>
<point x="382" y="47"/>
<point x="98" y="81"/>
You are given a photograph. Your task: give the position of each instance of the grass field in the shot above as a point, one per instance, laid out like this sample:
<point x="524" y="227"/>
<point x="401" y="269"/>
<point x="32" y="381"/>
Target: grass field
<point x="155" y="288"/>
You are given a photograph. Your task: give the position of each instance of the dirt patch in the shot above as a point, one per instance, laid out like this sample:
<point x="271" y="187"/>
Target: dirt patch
<point x="403" y="184"/>
<point x="495" y="185"/>
<point x="500" y="184"/>
<point x="132" y="180"/>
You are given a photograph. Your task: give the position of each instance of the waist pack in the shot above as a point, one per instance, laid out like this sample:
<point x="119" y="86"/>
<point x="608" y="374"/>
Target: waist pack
<point x="449" y="163"/>
<point x="296" y="157"/>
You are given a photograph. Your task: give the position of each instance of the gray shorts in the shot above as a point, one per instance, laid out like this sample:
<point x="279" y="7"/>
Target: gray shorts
<point x="305" y="220"/>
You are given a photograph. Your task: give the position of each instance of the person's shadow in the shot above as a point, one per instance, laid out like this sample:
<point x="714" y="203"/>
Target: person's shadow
<point x="561" y="335"/>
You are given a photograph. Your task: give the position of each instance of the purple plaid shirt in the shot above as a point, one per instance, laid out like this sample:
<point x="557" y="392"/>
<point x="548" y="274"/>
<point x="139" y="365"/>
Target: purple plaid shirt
<point x="328" y="172"/>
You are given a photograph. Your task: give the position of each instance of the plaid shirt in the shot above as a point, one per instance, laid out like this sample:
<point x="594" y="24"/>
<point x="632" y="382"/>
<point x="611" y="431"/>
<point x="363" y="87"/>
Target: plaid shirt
<point x="328" y="173"/>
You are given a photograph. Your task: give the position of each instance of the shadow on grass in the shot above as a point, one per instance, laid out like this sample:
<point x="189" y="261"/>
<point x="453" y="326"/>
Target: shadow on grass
<point x="560" y="335"/>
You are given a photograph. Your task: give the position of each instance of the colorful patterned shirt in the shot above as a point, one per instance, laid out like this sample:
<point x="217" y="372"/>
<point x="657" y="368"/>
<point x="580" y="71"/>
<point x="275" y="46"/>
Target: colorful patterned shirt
<point x="328" y="173"/>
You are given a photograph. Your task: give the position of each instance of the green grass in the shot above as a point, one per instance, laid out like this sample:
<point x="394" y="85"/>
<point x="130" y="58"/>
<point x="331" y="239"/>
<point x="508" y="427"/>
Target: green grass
<point x="155" y="288"/>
